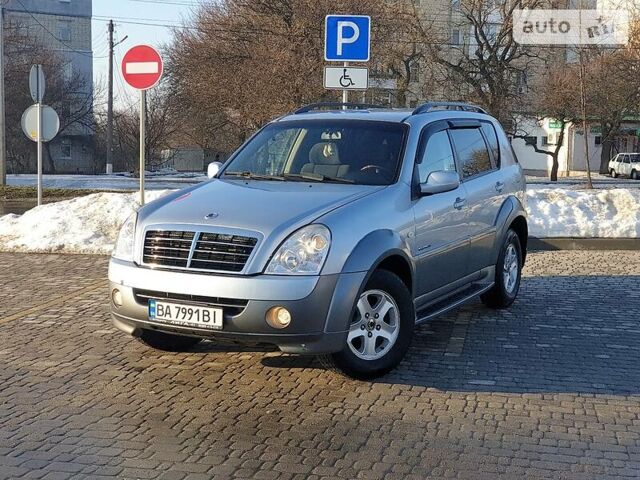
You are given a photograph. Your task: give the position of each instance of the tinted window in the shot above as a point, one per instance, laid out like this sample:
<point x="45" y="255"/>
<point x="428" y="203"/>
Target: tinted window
<point x="351" y="151"/>
<point x="626" y="159"/>
<point x="492" y="139"/>
<point x="437" y="156"/>
<point x="472" y="151"/>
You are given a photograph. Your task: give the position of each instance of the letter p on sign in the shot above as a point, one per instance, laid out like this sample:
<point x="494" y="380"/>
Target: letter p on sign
<point x="347" y="38"/>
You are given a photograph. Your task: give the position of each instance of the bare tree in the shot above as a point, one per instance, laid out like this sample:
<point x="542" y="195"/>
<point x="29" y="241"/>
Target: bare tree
<point x="161" y="127"/>
<point x="69" y="95"/>
<point x="488" y="65"/>
<point x="240" y="63"/>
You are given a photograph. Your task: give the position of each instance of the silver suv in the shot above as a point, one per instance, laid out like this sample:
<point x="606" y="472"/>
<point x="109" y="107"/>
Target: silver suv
<point x="332" y="231"/>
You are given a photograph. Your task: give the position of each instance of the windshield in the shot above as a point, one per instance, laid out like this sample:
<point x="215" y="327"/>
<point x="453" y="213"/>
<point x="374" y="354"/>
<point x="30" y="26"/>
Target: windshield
<point x="339" y="151"/>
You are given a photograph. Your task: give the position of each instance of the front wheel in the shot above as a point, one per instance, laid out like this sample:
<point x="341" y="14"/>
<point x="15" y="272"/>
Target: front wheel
<point x="634" y="175"/>
<point x="613" y="173"/>
<point x="380" y="331"/>
<point x="508" y="274"/>
<point x="167" y="342"/>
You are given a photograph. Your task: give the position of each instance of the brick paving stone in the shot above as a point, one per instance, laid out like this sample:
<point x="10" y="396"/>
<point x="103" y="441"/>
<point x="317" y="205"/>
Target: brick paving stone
<point x="549" y="388"/>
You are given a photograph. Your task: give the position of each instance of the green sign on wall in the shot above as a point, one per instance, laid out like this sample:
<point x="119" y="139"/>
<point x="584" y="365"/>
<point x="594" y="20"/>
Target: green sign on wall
<point x="555" y="124"/>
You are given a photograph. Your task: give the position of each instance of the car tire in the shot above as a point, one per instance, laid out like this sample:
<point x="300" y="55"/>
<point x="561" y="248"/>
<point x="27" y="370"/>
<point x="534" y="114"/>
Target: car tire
<point x="634" y="175"/>
<point x="374" y="346"/>
<point x="613" y="173"/>
<point x="508" y="274"/>
<point x="167" y="342"/>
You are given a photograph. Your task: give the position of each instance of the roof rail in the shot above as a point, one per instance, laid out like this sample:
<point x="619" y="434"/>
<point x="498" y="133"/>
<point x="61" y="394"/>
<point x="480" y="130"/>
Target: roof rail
<point x="461" y="106"/>
<point x="336" y="105"/>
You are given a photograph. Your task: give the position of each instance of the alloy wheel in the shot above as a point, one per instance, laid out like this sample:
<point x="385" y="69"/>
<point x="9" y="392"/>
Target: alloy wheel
<point x="510" y="268"/>
<point x="376" y="325"/>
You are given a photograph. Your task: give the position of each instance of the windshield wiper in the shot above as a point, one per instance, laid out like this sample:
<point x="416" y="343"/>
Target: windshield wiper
<point x="317" y="177"/>
<point x="253" y="176"/>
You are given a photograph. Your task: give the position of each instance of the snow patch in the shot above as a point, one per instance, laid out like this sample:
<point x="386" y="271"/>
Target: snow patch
<point x="566" y="212"/>
<point x="87" y="224"/>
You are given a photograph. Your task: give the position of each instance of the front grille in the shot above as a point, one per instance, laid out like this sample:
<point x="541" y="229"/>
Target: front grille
<point x="167" y="248"/>
<point x="230" y="306"/>
<point x="212" y="251"/>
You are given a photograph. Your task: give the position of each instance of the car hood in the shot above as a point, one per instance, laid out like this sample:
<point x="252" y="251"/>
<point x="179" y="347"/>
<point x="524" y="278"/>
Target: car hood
<point x="271" y="208"/>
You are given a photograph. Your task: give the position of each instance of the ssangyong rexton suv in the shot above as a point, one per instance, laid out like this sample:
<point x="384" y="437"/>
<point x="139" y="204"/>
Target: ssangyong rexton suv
<point x="332" y="231"/>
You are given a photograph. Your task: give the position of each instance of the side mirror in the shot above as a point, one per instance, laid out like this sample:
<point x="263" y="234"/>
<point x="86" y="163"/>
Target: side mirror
<point x="439" y="182"/>
<point x="213" y="169"/>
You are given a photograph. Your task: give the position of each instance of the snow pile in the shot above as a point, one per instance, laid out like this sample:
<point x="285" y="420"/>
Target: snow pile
<point x="90" y="224"/>
<point x="87" y="224"/>
<point x="564" y="212"/>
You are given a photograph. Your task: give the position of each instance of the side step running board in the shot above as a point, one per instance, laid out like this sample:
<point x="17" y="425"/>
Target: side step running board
<point x="452" y="302"/>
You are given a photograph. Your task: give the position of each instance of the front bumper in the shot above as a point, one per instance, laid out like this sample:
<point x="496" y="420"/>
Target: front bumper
<point x="320" y="306"/>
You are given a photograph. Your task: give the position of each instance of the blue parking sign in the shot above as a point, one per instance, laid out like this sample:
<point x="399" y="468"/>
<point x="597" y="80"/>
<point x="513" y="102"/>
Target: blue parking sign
<point x="347" y="38"/>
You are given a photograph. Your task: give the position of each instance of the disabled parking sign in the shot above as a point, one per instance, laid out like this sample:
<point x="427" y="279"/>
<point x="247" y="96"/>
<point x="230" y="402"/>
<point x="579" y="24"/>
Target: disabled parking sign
<point x="347" y="38"/>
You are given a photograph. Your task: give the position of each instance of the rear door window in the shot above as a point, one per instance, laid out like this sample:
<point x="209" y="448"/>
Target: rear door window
<point x="472" y="151"/>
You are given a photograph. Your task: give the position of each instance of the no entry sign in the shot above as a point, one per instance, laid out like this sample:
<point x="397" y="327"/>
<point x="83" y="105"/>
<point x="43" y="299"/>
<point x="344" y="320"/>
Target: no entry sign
<point x="142" y="67"/>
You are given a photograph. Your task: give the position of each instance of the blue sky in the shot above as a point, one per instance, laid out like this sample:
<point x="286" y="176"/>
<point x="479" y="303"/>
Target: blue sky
<point x="127" y="15"/>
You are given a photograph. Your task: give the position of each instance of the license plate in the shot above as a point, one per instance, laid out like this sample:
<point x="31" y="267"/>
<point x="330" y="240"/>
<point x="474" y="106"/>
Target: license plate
<point x="185" y="315"/>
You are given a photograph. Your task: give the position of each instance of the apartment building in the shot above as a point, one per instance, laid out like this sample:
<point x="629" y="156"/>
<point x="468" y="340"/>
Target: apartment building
<point x="64" y="26"/>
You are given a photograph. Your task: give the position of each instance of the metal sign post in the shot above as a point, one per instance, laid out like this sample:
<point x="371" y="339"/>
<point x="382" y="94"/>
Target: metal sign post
<point x="143" y="122"/>
<point x="39" y="107"/>
<point x="37" y="88"/>
<point x="345" y="92"/>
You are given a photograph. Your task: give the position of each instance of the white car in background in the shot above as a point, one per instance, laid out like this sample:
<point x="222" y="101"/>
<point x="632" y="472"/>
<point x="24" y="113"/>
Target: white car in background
<point x="627" y="164"/>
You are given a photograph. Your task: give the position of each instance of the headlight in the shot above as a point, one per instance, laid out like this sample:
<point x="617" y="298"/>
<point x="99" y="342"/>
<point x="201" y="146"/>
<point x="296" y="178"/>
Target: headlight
<point x="303" y="253"/>
<point x="124" y="244"/>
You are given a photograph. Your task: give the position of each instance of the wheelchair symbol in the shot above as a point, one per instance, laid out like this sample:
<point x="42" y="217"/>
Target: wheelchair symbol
<point x="345" y="80"/>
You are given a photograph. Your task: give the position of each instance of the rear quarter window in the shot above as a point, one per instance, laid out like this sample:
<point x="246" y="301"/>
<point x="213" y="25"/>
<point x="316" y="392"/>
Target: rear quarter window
<point x="492" y="141"/>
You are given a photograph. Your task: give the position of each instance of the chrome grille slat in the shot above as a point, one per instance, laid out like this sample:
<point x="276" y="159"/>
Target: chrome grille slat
<point x="219" y="261"/>
<point x="162" y="247"/>
<point x="221" y="253"/>
<point x="197" y="250"/>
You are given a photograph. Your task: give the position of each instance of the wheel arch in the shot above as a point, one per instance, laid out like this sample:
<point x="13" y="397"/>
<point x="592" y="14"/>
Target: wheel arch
<point x="512" y="215"/>
<point x="382" y="249"/>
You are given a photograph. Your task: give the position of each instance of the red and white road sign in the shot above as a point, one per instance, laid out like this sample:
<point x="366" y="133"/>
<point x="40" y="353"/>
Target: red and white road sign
<point x="142" y="67"/>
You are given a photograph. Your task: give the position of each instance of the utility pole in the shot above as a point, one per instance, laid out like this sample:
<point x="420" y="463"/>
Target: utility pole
<point x="110" y="104"/>
<point x="3" y="146"/>
<point x="112" y="46"/>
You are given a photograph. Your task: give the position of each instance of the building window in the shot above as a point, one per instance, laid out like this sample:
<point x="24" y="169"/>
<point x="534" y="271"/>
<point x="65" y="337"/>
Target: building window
<point x="68" y="71"/>
<point x="598" y="139"/>
<point x="65" y="148"/>
<point x="533" y="141"/>
<point x="455" y="36"/>
<point x="64" y="30"/>
<point x="414" y="71"/>
<point x="545" y="141"/>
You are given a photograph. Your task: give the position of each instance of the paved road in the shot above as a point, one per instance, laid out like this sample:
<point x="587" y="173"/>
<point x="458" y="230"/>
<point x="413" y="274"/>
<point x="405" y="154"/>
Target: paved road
<point x="548" y="389"/>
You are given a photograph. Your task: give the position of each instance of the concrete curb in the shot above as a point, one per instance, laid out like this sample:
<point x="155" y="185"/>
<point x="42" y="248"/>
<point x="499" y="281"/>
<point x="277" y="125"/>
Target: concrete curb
<point x="550" y="244"/>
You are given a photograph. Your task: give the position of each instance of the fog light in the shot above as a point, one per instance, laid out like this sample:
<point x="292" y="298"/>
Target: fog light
<point x="278" y="317"/>
<point x="116" y="296"/>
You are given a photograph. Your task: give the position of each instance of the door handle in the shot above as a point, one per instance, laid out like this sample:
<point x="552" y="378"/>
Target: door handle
<point x="459" y="203"/>
<point x="499" y="187"/>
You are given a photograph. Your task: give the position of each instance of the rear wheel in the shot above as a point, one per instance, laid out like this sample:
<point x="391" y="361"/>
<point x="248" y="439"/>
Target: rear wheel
<point x="613" y="173"/>
<point x="167" y="342"/>
<point x="634" y="175"/>
<point x="380" y="331"/>
<point x="508" y="274"/>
